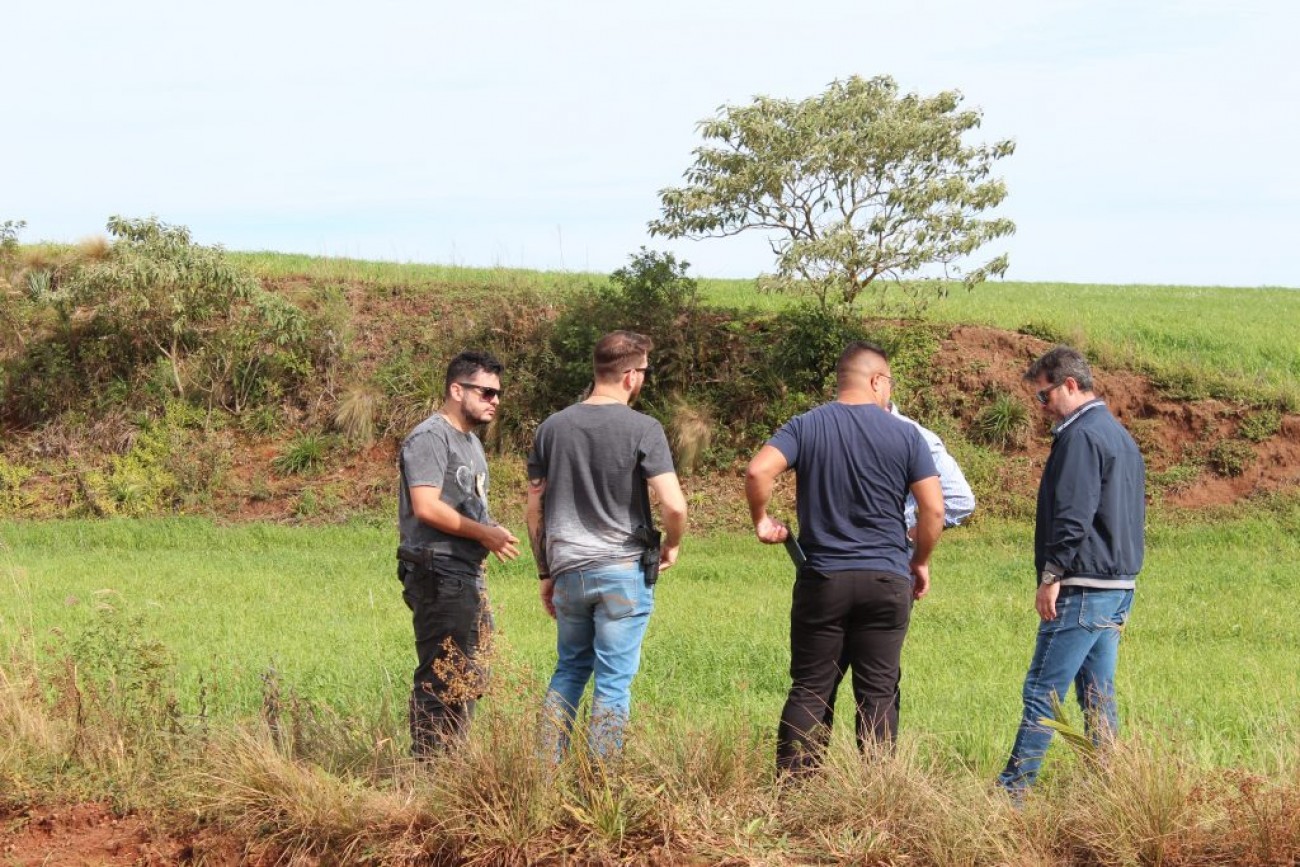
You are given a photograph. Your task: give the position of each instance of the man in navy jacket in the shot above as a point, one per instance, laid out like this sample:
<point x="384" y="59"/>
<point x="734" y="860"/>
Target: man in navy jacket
<point x="1088" y="549"/>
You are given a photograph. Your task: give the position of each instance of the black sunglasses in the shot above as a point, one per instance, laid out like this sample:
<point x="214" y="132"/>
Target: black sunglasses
<point x="486" y="392"/>
<point x="1042" y="395"/>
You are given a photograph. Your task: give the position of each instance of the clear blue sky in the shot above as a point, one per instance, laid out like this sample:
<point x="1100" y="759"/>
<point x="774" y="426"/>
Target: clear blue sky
<point x="1156" y="140"/>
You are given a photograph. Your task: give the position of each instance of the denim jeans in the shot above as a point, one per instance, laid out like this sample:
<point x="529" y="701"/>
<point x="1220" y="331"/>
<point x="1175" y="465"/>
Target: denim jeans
<point x="450" y="617"/>
<point x="857" y="619"/>
<point x="601" y="616"/>
<point x="1081" y="646"/>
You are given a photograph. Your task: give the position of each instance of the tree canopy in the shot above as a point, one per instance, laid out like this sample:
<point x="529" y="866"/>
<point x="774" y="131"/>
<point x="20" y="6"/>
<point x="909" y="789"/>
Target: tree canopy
<point x="856" y="187"/>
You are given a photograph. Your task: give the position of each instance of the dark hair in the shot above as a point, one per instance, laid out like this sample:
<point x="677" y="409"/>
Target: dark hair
<point x="466" y="365"/>
<point x="854" y="351"/>
<point x="1059" y="364"/>
<point x="617" y="351"/>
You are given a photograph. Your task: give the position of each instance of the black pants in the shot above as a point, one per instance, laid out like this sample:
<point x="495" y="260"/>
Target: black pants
<point x="860" y="617"/>
<point x="450" y="616"/>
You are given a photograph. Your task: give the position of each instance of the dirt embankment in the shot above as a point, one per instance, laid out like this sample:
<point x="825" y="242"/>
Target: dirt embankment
<point x="1170" y="432"/>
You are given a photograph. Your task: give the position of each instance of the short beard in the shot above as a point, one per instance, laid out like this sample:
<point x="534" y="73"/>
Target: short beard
<point x="468" y="419"/>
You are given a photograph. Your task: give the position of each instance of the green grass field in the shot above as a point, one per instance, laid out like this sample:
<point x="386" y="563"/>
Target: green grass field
<point x="1208" y="661"/>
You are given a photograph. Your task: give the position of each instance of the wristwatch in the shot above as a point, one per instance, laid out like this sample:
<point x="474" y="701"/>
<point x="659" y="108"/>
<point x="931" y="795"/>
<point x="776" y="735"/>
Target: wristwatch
<point x="1047" y="578"/>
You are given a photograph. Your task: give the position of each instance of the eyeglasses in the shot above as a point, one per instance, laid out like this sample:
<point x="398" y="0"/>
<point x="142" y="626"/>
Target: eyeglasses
<point x="644" y="371"/>
<point x="1041" y="396"/>
<point x="893" y="383"/>
<point x="484" y="391"/>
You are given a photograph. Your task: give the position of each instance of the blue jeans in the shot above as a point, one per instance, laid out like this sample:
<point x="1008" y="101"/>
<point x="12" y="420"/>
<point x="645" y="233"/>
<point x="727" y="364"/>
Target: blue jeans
<point x="601" y="616"/>
<point x="1080" y="645"/>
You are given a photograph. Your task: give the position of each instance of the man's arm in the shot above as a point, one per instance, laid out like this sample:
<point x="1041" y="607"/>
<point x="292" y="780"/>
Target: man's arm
<point x="536" y="521"/>
<point x="427" y="504"/>
<point x="672" y="508"/>
<point x="929" y="525"/>
<point x="760" y="478"/>
<point x="1076" y="496"/>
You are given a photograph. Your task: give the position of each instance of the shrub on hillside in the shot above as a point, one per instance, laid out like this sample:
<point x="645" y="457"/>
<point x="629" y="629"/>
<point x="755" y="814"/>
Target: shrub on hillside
<point x="1003" y="421"/>
<point x="1261" y="424"/>
<point x="1230" y="458"/>
<point x="104" y="314"/>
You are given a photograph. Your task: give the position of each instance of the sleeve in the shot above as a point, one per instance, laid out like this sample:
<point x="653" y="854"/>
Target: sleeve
<point x="958" y="498"/>
<point x="425" y="456"/>
<point x="1076" y="497"/>
<point x="920" y="465"/>
<point x="536" y="460"/>
<point x="656" y="456"/>
<point x="786" y="441"/>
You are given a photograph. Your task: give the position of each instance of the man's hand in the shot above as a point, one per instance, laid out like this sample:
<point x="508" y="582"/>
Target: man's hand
<point x="668" y="556"/>
<point x="770" y="531"/>
<point x="1045" y="600"/>
<point x="501" y="542"/>
<point x="920" y="579"/>
<point x="546" y="587"/>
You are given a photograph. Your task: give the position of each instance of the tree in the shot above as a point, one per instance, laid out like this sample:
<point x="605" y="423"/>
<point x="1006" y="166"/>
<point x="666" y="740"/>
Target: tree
<point x="857" y="187"/>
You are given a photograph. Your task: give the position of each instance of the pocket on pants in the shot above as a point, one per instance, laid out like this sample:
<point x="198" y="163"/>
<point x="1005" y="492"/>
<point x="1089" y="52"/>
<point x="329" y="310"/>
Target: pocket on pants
<point x="1103" y="609"/>
<point x="628" y="596"/>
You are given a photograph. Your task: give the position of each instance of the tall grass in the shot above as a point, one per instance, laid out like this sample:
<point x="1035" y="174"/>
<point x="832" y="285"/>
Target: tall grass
<point x="684" y="792"/>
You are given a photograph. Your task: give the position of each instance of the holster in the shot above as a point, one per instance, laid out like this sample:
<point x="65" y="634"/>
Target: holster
<point x="412" y="561"/>
<point x="653" y="540"/>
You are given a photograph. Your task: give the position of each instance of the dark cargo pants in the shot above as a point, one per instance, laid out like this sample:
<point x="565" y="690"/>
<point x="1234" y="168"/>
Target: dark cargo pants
<point x="451" y="619"/>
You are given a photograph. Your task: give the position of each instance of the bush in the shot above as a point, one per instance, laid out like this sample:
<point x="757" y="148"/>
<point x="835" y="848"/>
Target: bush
<point x="1230" y="458"/>
<point x="1260" y="425"/>
<point x="305" y="454"/>
<point x="1003" y="422"/>
<point x="13" y="499"/>
<point x="152" y="296"/>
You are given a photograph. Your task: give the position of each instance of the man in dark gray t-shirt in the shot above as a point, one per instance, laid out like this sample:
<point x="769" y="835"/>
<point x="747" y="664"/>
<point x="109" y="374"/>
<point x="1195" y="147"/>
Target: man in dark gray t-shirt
<point x="591" y="529"/>
<point x="445" y="535"/>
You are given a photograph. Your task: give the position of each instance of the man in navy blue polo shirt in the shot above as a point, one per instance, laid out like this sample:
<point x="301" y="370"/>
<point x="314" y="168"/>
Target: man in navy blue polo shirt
<point x="854" y="466"/>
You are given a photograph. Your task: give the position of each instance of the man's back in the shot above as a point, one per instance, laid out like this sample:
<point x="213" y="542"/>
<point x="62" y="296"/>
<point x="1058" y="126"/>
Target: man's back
<point x="596" y="459"/>
<point x="854" y="464"/>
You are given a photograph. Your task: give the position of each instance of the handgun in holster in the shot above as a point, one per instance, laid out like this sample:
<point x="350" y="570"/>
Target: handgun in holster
<point x="411" y="559"/>
<point x="652" y="539"/>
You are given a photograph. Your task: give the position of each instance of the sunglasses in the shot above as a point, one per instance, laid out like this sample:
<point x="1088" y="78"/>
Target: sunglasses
<point x="1041" y="396"/>
<point x="484" y="391"/>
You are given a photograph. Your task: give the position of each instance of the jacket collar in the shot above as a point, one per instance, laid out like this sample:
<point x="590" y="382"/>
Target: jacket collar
<point x="1072" y="417"/>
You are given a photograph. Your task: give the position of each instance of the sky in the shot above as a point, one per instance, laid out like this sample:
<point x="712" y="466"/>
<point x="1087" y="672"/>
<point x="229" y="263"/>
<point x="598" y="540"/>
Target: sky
<point x="1156" y="140"/>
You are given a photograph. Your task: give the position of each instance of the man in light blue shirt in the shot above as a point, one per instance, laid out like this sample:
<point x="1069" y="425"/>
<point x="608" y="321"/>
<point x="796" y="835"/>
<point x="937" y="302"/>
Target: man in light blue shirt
<point x="958" y="499"/>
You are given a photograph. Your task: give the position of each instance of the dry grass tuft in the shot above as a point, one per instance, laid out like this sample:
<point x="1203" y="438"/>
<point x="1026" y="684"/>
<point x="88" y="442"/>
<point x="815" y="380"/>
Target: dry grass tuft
<point x="896" y="806"/>
<point x="690" y="429"/>
<point x="94" y="249"/>
<point x="299" y="810"/>
<point x="355" y="415"/>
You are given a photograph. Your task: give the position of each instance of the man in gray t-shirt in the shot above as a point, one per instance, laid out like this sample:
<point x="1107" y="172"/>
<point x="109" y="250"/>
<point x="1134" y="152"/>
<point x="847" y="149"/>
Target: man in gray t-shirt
<point x="445" y="535"/>
<point x="591" y="530"/>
